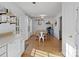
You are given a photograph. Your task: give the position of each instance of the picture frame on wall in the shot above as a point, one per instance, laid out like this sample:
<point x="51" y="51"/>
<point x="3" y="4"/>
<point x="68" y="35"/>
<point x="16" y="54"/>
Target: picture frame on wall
<point x="39" y="22"/>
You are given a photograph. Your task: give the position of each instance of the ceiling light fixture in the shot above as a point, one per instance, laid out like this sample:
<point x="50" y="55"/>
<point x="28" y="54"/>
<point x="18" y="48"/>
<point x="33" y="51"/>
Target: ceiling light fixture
<point x="34" y="2"/>
<point x="43" y="16"/>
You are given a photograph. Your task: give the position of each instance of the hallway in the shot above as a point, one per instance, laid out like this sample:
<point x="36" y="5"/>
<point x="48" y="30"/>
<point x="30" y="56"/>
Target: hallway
<point x="24" y="19"/>
<point x="50" y="47"/>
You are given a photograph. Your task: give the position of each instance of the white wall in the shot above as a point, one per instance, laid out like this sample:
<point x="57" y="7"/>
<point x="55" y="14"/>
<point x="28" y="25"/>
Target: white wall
<point x="68" y="30"/>
<point x="43" y="26"/>
<point x="57" y="27"/>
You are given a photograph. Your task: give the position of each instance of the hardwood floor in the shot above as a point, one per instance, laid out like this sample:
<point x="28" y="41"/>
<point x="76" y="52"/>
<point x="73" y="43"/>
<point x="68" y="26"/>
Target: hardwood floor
<point x="51" y="47"/>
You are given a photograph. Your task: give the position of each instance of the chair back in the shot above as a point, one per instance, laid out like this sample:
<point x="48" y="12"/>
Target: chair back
<point x="42" y="34"/>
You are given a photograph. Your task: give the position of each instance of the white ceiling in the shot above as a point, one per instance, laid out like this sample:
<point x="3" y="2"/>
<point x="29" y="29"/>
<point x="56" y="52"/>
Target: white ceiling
<point x="40" y="8"/>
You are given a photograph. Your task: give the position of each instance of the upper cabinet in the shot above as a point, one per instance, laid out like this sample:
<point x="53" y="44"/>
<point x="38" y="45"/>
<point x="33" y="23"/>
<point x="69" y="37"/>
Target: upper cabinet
<point x="3" y="11"/>
<point x="6" y="16"/>
<point x="8" y="19"/>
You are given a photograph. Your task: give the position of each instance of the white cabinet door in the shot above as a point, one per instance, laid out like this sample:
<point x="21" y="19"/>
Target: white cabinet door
<point x="22" y="46"/>
<point x="13" y="28"/>
<point x="3" y="51"/>
<point x="18" y="47"/>
<point x="13" y="49"/>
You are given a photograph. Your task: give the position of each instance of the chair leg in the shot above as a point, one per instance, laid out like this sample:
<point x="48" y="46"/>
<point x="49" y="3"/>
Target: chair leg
<point x="43" y="39"/>
<point x="36" y="37"/>
<point x="39" y="39"/>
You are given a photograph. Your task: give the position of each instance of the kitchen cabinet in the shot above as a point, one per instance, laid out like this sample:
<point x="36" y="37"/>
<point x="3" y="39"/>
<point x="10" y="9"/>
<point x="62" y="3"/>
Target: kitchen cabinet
<point x="6" y="27"/>
<point x="3" y="51"/>
<point x="22" y="46"/>
<point x="14" y="48"/>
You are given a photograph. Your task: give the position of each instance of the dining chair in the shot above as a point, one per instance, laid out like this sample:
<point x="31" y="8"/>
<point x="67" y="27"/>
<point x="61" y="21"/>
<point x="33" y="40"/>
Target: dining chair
<point x="41" y="36"/>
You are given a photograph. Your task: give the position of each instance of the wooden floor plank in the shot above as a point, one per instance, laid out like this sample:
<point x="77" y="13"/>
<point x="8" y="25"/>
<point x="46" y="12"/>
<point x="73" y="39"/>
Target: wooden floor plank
<point x="51" y="46"/>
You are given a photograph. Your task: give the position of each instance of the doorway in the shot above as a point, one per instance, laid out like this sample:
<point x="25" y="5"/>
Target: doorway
<point x="60" y="32"/>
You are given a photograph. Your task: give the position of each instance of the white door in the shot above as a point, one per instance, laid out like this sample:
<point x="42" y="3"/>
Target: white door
<point x="68" y="30"/>
<point x="77" y="30"/>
